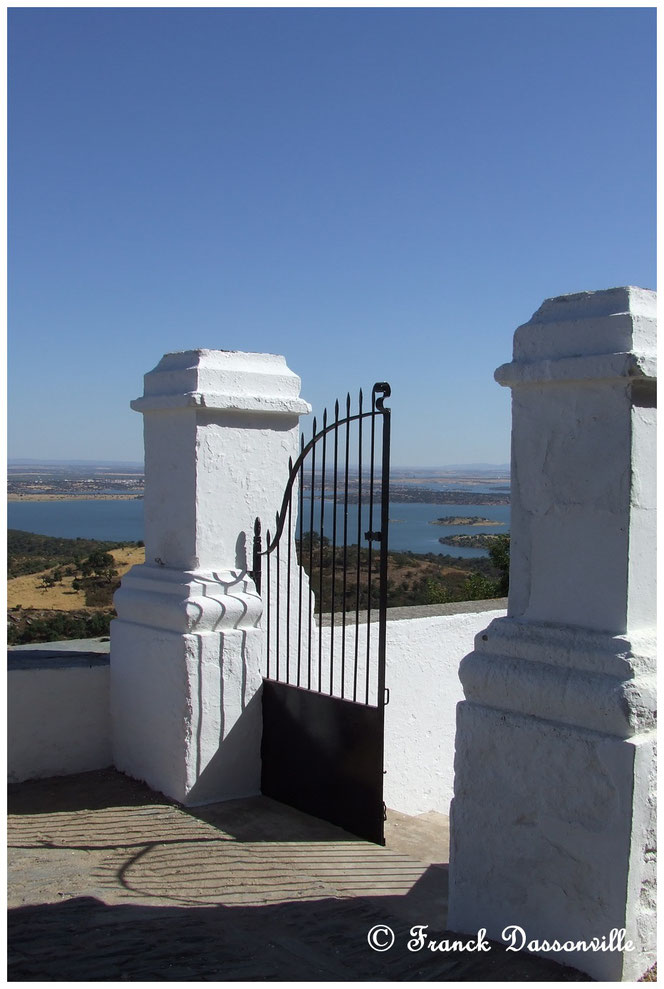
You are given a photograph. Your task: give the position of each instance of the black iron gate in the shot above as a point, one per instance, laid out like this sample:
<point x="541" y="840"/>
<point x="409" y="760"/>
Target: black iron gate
<point x="323" y="577"/>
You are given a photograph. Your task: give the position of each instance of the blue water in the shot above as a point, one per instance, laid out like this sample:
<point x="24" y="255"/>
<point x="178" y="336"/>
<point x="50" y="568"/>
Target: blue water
<point x="410" y="524"/>
<point x="122" y="521"/>
<point x="116" y="521"/>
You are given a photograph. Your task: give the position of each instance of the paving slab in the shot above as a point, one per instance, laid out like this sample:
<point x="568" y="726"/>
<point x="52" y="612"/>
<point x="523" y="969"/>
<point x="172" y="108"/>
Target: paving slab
<point x="110" y="881"/>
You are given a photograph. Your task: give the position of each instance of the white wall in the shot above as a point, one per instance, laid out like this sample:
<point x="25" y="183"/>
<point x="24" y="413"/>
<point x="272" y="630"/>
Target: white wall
<point x="424" y="648"/>
<point x="59" y="717"/>
<point x="58" y="721"/>
<point x="422" y="673"/>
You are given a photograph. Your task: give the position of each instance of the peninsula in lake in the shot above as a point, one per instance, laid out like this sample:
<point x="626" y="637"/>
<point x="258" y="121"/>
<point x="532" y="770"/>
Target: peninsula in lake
<point x="464" y="520"/>
<point x="477" y="540"/>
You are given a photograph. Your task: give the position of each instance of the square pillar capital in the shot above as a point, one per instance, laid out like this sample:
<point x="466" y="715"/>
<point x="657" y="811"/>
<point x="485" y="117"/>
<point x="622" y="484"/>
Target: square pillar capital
<point x="219" y="426"/>
<point x="583" y="380"/>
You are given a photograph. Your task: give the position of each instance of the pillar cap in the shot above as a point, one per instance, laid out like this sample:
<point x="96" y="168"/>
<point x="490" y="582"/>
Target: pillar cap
<point x="222" y="379"/>
<point x="587" y="335"/>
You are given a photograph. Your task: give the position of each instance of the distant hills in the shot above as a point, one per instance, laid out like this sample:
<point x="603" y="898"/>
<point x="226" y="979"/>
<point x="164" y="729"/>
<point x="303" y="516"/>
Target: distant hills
<point x="34" y="462"/>
<point x="22" y="462"/>
<point x="491" y="467"/>
<point x="481" y="468"/>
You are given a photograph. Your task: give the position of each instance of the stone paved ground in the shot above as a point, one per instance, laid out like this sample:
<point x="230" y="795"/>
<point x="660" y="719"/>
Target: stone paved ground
<point x="109" y="881"/>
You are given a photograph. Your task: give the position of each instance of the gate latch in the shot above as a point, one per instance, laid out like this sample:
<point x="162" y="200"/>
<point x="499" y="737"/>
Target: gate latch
<point x="373" y="536"/>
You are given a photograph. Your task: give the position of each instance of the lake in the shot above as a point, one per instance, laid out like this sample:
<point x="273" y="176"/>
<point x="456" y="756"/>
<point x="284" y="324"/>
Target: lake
<point x="122" y="521"/>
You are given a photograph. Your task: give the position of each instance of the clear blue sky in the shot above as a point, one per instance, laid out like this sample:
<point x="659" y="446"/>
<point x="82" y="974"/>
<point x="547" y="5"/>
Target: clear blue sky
<point x="377" y="194"/>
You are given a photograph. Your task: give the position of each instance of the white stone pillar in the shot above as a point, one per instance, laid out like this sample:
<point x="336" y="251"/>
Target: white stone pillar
<point x="553" y="817"/>
<point x="186" y="646"/>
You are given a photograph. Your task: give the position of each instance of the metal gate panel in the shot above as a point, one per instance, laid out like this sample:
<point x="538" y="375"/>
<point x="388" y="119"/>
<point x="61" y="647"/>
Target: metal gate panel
<point x="324" y="756"/>
<point x="323" y="578"/>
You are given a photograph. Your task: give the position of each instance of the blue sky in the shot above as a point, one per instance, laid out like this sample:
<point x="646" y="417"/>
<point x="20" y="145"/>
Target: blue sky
<point x="376" y="193"/>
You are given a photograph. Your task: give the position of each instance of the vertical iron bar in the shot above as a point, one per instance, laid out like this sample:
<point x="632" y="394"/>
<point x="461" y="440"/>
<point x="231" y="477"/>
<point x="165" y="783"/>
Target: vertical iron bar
<point x="268" y="602"/>
<point x="311" y="547"/>
<point x="320" y="557"/>
<point x="345" y="560"/>
<point x="382" y="604"/>
<point x="300" y="561"/>
<point x="370" y="549"/>
<point x="359" y="537"/>
<point x="334" y="541"/>
<point x="384" y="529"/>
<point x="289" y="536"/>
<point x="278" y="603"/>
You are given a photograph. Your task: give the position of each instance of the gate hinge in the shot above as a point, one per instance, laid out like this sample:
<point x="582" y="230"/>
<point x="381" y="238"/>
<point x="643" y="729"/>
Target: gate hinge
<point x="373" y="536"/>
<point x="386" y="699"/>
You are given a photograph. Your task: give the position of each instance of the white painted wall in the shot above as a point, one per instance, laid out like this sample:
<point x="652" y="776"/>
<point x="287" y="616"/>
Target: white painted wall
<point x="59" y="718"/>
<point x="422" y="674"/>
<point x="58" y="721"/>
<point x="423" y="654"/>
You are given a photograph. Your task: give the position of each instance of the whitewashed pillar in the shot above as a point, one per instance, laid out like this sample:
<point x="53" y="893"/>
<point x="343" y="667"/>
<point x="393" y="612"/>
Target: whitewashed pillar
<point x="553" y="817"/>
<point x="186" y="647"/>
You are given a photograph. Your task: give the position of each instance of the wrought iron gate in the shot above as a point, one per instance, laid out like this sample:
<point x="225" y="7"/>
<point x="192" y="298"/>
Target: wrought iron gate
<point x="323" y="577"/>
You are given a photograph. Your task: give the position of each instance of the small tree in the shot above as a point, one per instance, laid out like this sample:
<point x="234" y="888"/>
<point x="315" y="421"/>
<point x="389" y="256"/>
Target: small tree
<point x="100" y="564"/>
<point x="477" y="587"/>
<point x="435" y="592"/>
<point x="499" y="551"/>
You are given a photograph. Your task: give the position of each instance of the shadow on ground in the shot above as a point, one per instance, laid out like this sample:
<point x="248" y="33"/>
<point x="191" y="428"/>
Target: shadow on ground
<point x="83" y="939"/>
<point x="110" y="881"/>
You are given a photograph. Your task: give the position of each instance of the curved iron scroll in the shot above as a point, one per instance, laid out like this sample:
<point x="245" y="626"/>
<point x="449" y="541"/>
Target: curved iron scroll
<point x="340" y="578"/>
<point x="324" y="695"/>
<point x="380" y="391"/>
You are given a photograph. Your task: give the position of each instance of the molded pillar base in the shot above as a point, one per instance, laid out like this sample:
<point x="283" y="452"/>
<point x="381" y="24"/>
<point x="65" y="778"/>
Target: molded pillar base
<point x="185" y="702"/>
<point x="553" y="817"/>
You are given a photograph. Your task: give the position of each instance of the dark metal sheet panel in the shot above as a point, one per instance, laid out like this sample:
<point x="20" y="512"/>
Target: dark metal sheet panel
<point x="324" y="756"/>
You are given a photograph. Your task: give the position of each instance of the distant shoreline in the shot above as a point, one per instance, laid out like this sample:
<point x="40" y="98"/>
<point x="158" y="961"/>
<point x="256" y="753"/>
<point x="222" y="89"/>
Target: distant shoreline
<point x="74" y="497"/>
<point x="464" y="520"/>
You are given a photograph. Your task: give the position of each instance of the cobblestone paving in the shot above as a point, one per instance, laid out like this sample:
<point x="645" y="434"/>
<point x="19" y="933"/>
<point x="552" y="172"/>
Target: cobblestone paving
<point x="110" y="881"/>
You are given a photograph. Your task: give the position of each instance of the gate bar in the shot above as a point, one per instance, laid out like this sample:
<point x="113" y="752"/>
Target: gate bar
<point x="384" y="529"/>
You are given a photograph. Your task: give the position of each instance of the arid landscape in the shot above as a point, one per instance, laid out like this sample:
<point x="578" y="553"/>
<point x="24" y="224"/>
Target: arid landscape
<point x="29" y="591"/>
<point x="63" y="588"/>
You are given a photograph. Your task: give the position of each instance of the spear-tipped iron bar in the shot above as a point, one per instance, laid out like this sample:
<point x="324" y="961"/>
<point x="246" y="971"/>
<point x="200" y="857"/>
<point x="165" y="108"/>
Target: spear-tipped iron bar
<point x="278" y="605"/>
<point x="359" y="538"/>
<point x="268" y="603"/>
<point x="370" y="550"/>
<point x="320" y="556"/>
<point x="288" y="574"/>
<point x="311" y="549"/>
<point x="334" y="540"/>
<point x="300" y="562"/>
<point x="384" y="528"/>
<point x="345" y="560"/>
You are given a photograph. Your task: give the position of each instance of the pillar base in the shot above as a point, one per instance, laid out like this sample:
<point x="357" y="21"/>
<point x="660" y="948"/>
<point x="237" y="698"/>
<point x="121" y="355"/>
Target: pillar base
<point x="553" y="817"/>
<point x="185" y="663"/>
